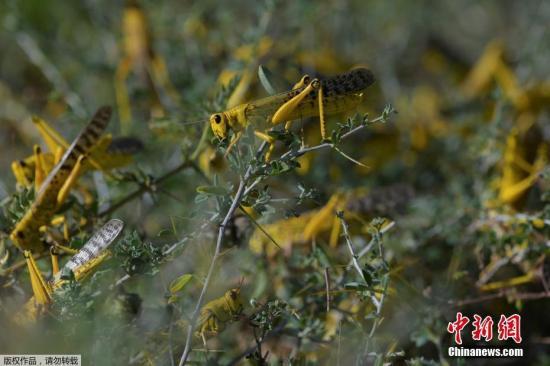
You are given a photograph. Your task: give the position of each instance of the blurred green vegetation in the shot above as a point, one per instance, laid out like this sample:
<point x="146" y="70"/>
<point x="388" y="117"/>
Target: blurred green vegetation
<point x="451" y="212"/>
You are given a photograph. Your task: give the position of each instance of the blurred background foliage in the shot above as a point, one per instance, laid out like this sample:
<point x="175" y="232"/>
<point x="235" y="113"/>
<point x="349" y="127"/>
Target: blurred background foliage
<point x="460" y="176"/>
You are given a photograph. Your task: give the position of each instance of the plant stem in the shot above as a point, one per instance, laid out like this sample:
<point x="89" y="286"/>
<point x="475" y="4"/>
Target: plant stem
<point x="350" y="247"/>
<point x="219" y="241"/>
<point x="143" y="188"/>
<point x="242" y="190"/>
<point x="304" y="150"/>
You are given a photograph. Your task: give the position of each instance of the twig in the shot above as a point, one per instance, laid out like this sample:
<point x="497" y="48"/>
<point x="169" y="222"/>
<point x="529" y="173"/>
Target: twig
<point x="38" y="58"/>
<point x="242" y="189"/>
<point x="144" y="188"/>
<point x="339" y="343"/>
<point x="297" y="153"/>
<point x="252" y="186"/>
<point x="371" y="243"/>
<point x="170" y="336"/>
<point x="327" y="287"/>
<point x="277" y="330"/>
<point x="219" y="241"/>
<point x="515" y="296"/>
<point x="23" y="263"/>
<point x="350" y="245"/>
<point x="376" y="322"/>
<point x="165" y="253"/>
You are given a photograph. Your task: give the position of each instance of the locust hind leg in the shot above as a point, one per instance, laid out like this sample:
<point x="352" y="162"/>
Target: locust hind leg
<point x="285" y="111"/>
<point x="122" y="98"/>
<point x="71" y="181"/>
<point x="160" y="76"/>
<point x="510" y="193"/>
<point x="318" y="222"/>
<point x="335" y="232"/>
<point x="51" y="137"/>
<point x="236" y="137"/>
<point x="304" y="81"/>
<point x="518" y="174"/>
<point x="41" y="289"/>
<point x="322" y="122"/>
<point x="54" y="256"/>
<point x="270" y="140"/>
<point x="39" y="168"/>
<point x="208" y="324"/>
<point x="18" y="169"/>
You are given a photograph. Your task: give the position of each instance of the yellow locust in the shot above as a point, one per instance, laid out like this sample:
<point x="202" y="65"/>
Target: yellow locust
<point x="111" y="152"/>
<point x="56" y="186"/>
<point x="359" y="205"/>
<point x="81" y="264"/>
<point x="526" y="149"/>
<point x="217" y="313"/>
<point x="308" y="98"/>
<point x="139" y="56"/>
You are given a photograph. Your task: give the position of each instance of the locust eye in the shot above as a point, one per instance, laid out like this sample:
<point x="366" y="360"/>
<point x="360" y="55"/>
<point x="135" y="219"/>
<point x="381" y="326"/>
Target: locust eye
<point x="233" y="294"/>
<point x="306" y="79"/>
<point x="217" y="118"/>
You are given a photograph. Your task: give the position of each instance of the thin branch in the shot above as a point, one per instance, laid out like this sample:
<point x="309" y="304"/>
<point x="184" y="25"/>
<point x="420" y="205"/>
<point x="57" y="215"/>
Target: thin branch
<point x="252" y="186"/>
<point x="275" y="331"/>
<point x="144" y="188"/>
<point x="242" y="189"/>
<point x="327" y="288"/>
<point x="371" y="243"/>
<point x="165" y="253"/>
<point x="219" y="241"/>
<point x="297" y="153"/>
<point x="48" y="69"/>
<point x="515" y="296"/>
<point x="350" y="245"/>
<point x="377" y="303"/>
<point x="23" y="263"/>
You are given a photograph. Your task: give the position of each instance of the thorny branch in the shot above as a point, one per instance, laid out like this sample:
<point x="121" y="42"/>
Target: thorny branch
<point x="142" y="189"/>
<point x="304" y="150"/>
<point x="378" y="303"/>
<point x="243" y="189"/>
<point x="515" y="296"/>
<point x="219" y="241"/>
<point x="146" y="187"/>
<point x="350" y="245"/>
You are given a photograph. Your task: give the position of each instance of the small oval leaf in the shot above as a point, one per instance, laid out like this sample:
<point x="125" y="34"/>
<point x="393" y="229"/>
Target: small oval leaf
<point x="213" y="190"/>
<point x="264" y="74"/>
<point x="179" y="283"/>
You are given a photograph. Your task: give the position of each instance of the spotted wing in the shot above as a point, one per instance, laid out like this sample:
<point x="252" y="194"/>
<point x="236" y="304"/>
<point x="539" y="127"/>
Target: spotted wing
<point x="96" y="246"/>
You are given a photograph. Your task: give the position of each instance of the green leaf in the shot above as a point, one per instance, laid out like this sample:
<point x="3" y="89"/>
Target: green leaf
<point x="322" y="257"/>
<point x="179" y="283"/>
<point x="213" y="190"/>
<point x="172" y="299"/>
<point x="355" y="286"/>
<point x="264" y="74"/>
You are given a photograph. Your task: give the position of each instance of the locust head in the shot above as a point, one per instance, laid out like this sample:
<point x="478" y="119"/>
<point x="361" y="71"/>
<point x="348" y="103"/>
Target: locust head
<point x="234" y="300"/>
<point x="219" y="124"/>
